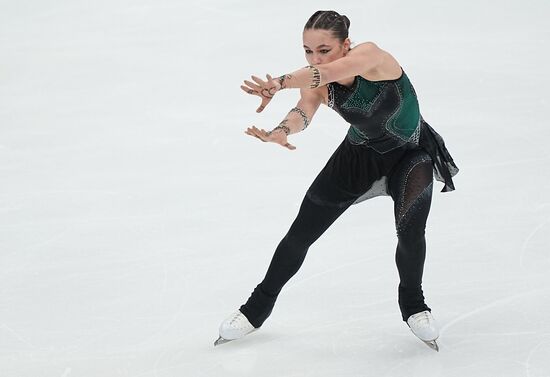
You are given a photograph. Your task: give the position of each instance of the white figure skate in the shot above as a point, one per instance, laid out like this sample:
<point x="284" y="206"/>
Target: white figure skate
<point x="423" y="325"/>
<point x="234" y="327"/>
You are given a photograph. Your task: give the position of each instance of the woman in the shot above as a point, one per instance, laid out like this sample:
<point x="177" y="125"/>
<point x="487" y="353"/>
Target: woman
<point x="388" y="150"/>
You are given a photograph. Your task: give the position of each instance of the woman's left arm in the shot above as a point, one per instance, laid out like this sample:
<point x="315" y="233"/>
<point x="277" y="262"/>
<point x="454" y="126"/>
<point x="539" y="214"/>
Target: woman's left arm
<point x="361" y="59"/>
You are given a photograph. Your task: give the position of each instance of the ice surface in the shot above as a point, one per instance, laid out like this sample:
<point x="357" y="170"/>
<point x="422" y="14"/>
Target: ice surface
<point x="135" y="214"/>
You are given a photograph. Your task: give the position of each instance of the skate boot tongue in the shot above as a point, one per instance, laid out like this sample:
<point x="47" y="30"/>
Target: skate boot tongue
<point x="421" y="319"/>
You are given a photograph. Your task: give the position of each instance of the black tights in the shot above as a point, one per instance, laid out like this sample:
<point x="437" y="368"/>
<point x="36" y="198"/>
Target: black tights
<point x="410" y="186"/>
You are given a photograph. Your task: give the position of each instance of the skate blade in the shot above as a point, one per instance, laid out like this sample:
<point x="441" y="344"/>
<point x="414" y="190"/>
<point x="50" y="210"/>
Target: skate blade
<point x="432" y="344"/>
<point x="222" y="341"/>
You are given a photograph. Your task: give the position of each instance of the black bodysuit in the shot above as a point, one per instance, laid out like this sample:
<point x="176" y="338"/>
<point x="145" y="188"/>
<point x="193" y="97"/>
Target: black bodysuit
<point x="388" y="150"/>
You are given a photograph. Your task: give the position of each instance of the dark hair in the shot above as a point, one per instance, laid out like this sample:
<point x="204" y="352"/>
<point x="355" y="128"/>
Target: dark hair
<point x="331" y="21"/>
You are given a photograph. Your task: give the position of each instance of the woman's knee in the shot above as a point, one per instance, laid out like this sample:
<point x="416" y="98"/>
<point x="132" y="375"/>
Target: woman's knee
<point x="411" y="239"/>
<point x="296" y="243"/>
<point x="415" y="168"/>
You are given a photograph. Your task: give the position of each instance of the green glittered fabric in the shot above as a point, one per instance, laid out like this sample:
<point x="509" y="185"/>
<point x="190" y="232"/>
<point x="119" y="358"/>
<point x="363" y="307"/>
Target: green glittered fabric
<point x="382" y="114"/>
<point x="405" y="121"/>
<point x="364" y="96"/>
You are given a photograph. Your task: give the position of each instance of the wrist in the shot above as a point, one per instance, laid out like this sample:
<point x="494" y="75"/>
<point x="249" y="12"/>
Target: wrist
<point x="281" y="81"/>
<point x="281" y="127"/>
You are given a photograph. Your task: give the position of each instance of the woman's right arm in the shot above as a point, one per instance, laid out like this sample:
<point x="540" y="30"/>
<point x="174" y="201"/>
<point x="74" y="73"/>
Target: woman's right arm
<point x="300" y="116"/>
<point x="297" y="120"/>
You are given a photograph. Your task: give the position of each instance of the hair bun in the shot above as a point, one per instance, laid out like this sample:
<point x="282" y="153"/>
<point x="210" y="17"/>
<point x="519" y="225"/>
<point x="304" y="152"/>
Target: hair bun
<point x="346" y="21"/>
<point x="329" y="20"/>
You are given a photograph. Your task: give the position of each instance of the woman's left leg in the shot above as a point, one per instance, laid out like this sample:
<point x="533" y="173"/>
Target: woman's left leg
<point x="411" y="185"/>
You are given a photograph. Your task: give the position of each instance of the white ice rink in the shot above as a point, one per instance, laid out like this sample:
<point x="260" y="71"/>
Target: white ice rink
<point x="135" y="214"/>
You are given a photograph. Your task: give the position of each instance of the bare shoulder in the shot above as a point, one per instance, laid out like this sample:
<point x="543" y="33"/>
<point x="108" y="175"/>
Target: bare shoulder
<point x="386" y="67"/>
<point x="366" y="48"/>
<point x="368" y="52"/>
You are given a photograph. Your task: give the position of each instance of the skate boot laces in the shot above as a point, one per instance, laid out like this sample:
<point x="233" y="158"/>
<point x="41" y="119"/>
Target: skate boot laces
<point x="239" y="321"/>
<point x="422" y="320"/>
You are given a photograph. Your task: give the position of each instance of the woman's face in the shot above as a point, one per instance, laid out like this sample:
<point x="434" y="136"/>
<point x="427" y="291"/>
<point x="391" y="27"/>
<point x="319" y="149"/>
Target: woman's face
<point x="321" y="47"/>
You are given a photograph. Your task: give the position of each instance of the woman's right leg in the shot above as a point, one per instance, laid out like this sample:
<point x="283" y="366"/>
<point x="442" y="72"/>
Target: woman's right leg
<point x="326" y="199"/>
<point x="312" y="221"/>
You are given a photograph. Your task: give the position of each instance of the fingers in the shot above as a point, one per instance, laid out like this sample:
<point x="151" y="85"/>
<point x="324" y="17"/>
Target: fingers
<point x="253" y="86"/>
<point x="259" y="81"/>
<point x="256" y="136"/>
<point x="264" y="103"/>
<point x="260" y="88"/>
<point x="253" y="89"/>
<point x="257" y="133"/>
<point x="248" y="90"/>
<point x="289" y="146"/>
<point x="265" y="136"/>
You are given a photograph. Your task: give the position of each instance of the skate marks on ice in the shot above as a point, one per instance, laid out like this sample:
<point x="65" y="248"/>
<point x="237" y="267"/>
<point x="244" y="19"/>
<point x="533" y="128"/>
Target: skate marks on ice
<point x="17" y="336"/>
<point x="295" y="283"/>
<point x="532" y="371"/>
<point x="537" y="358"/>
<point x="491" y="305"/>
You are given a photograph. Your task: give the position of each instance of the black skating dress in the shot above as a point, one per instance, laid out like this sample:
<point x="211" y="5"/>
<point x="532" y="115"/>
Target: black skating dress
<point x="385" y="123"/>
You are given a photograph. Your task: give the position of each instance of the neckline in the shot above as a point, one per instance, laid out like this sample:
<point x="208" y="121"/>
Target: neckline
<point x="353" y="84"/>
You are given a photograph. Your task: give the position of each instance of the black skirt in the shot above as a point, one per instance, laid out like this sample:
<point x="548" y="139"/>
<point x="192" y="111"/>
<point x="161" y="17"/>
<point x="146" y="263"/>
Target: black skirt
<point x="444" y="166"/>
<point x="356" y="172"/>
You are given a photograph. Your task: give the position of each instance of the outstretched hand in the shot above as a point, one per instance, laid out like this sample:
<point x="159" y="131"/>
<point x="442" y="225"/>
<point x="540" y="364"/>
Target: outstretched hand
<point x="263" y="89"/>
<point x="277" y="136"/>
